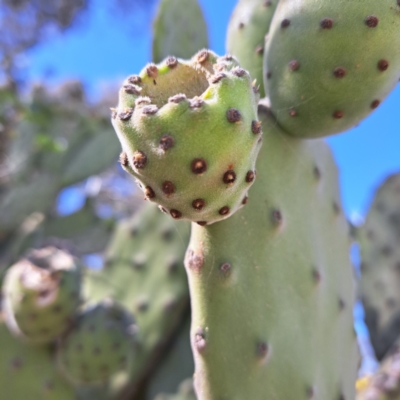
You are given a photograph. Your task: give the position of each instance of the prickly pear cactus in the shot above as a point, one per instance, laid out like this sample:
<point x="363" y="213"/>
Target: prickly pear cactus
<point x="100" y="345"/>
<point x="179" y="25"/>
<point x="144" y="271"/>
<point x="247" y="28"/>
<point x="329" y="64"/>
<point x="28" y="372"/>
<point x="379" y="241"/>
<point x="41" y="294"/>
<point x="272" y="288"/>
<point x="208" y="100"/>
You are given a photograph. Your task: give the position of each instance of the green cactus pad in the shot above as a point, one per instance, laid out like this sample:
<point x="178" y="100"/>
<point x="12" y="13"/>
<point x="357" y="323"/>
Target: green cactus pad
<point x="29" y="372"/>
<point x="380" y="255"/>
<point x="144" y="271"/>
<point x="100" y="345"/>
<point x="247" y="28"/>
<point x="190" y="135"/>
<point x="272" y="289"/>
<point x="329" y="64"/>
<point x="179" y="29"/>
<point x="41" y="294"/>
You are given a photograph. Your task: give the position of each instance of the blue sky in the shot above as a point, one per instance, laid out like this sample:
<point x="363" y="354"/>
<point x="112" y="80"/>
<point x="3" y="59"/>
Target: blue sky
<point x="101" y="52"/>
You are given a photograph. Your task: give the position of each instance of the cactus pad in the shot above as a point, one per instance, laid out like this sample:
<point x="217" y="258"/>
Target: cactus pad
<point x="328" y="64"/>
<point x="247" y="28"/>
<point x="147" y="252"/>
<point x="41" y="294"/>
<point x="380" y="254"/>
<point x="271" y="288"/>
<point x="190" y="135"/>
<point x="179" y="29"/>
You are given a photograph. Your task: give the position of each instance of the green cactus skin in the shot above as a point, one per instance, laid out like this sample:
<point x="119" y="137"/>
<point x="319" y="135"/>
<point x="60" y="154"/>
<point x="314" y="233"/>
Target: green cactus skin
<point x="179" y="29"/>
<point x="144" y="271"/>
<point x="384" y="384"/>
<point x="100" y="345"/>
<point x="272" y="288"/>
<point x="380" y="255"/>
<point x="41" y="294"/>
<point x="185" y="392"/>
<point x="247" y="28"/>
<point x="28" y="372"/>
<point x="190" y="135"/>
<point x="329" y="64"/>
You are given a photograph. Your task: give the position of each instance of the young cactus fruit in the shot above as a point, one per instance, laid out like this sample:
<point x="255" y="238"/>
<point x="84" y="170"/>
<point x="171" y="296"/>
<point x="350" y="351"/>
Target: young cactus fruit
<point x="190" y="135"/>
<point x="328" y="64"/>
<point x="99" y="346"/>
<point x="41" y="294"/>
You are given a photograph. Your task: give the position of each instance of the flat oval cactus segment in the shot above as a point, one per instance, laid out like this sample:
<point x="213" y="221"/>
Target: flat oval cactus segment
<point x="327" y="65"/>
<point x="179" y="28"/>
<point x="190" y="135"/>
<point x="380" y="266"/>
<point x="41" y="294"/>
<point x="273" y="287"/>
<point x="248" y="26"/>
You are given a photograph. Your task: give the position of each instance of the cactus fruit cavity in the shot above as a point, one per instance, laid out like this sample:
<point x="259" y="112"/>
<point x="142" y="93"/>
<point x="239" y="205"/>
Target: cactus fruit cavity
<point x="328" y="64"/>
<point x="100" y="345"/>
<point x="380" y="255"/>
<point x="247" y="28"/>
<point x="190" y="135"/>
<point x="41" y="294"/>
<point x="272" y="289"/>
